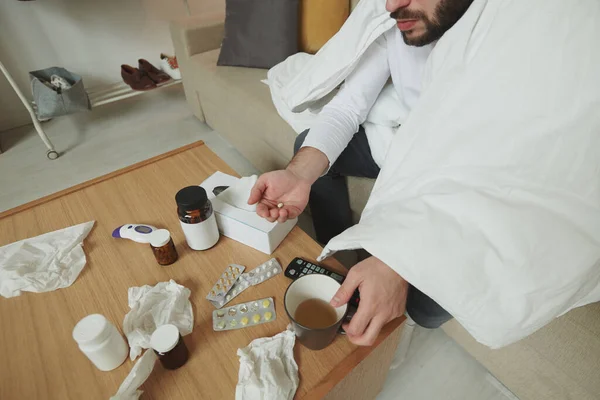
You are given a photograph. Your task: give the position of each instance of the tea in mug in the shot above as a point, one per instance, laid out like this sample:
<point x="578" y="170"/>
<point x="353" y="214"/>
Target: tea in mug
<point x="315" y="314"/>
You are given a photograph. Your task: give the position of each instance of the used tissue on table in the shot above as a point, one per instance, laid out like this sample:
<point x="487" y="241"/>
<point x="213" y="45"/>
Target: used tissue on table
<point x="153" y="306"/>
<point x="44" y="263"/>
<point x="268" y="370"/>
<point x="136" y="378"/>
<point x="236" y="221"/>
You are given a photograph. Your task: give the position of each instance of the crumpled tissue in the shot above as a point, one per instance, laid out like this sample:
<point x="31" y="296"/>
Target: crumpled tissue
<point x="153" y="306"/>
<point x="268" y="370"/>
<point x="237" y="194"/>
<point x="138" y="375"/>
<point x="44" y="263"/>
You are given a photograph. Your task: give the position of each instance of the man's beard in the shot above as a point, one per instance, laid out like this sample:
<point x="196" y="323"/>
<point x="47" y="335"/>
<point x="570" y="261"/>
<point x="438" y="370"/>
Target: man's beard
<point x="446" y="14"/>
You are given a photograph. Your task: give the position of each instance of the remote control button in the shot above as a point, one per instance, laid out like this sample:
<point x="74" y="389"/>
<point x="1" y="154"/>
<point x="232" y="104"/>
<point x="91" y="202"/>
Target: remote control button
<point x="312" y="266"/>
<point x="337" y="277"/>
<point x="305" y="270"/>
<point x="301" y="275"/>
<point x="292" y="271"/>
<point x="321" y="270"/>
<point x="299" y="261"/>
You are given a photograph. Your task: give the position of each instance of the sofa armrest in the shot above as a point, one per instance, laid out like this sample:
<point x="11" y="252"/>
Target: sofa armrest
<point x="195" y="35"/>
<point x="190" y="36"/>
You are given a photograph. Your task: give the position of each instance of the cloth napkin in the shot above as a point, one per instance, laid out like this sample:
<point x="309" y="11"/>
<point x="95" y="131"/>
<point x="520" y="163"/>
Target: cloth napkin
<point x="44" y="263"/>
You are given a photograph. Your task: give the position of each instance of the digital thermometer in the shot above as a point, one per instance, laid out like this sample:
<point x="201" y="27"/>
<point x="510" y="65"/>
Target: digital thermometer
<point x="136" y="232"/>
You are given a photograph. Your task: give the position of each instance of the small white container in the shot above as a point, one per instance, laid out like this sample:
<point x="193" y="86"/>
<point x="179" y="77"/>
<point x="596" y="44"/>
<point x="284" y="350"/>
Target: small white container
<point x="101" y="342"/>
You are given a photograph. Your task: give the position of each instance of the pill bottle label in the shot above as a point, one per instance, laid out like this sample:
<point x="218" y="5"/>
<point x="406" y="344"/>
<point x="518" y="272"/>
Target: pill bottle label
<point x="201" y="236"/>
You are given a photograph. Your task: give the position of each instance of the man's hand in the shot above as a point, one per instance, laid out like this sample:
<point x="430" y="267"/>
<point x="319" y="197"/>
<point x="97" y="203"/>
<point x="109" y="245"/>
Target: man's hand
<point x="289" y="188"/>
<point x="382" y="299"/>
<point x="278" y="187"/>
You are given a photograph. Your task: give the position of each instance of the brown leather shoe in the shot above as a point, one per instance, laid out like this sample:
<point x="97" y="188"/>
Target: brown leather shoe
<point x="154" y="73"/>
<point x="136" y="78"/>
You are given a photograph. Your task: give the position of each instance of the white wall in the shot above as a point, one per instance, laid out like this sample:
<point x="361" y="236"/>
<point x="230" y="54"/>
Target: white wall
<point x="89" y="37"/>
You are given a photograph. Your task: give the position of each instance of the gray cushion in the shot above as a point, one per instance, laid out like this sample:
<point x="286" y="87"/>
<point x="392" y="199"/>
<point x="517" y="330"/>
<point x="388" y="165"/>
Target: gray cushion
<point x="259" y="33"/>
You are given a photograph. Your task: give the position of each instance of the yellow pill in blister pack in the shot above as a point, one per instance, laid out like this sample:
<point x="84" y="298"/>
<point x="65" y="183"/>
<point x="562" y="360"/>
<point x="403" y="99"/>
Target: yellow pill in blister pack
<point x="266" y="303"/>
<point x="233" y="323"/>
<point x="268" y="315"/>
<point x="244" y="321"/>
<point x="237" y="270"/>
<point x="228" y="282"/>
<point x="256" y="318"/>
<point x="221" y="325"/>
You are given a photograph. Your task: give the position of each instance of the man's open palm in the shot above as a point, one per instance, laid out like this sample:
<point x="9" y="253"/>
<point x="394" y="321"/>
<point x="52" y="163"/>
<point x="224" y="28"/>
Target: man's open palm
<point x="280" y="187"/>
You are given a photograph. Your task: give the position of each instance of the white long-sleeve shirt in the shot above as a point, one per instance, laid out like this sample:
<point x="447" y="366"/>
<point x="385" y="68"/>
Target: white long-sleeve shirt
<point x="340" y="119"/>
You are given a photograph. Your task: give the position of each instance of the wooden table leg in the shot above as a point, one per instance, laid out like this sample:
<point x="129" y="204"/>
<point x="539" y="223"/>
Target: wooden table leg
<point x="367" y="379"/>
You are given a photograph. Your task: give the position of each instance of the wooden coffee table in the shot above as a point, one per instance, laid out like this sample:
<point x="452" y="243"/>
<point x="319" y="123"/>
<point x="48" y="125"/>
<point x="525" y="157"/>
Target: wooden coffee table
<point x="40" y="360"/>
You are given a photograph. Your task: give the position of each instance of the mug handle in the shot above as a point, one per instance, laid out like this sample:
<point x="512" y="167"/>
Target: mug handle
<point x="347" y="318"/>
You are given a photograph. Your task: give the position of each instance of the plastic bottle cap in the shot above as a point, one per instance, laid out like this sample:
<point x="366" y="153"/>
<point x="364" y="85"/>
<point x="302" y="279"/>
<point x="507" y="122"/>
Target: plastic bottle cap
<point x="164" y="338"/>
<point x="160" y="237"/>
<point x="91" y="329"/>
<point x="191" y="198"/>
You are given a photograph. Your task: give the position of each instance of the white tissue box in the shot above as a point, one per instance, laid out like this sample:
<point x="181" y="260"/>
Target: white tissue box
<point x="244" y="226"/>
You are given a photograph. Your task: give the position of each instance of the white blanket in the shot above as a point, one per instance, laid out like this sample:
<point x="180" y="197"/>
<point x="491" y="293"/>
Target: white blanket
<point x="301" y="85"/>
<point x="489" y="199"/>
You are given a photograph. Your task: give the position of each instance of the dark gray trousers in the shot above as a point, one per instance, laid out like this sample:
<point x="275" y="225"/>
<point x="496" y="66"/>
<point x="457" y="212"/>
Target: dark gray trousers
<point x="330" y="208"/>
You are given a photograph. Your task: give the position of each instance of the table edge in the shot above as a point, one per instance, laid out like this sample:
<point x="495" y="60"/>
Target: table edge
<point x="356" y="357"/>
<point x="97" y="180"/>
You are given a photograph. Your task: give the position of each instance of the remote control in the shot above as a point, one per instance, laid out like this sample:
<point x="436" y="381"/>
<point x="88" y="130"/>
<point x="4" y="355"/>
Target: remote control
<point x="300" y="267"/>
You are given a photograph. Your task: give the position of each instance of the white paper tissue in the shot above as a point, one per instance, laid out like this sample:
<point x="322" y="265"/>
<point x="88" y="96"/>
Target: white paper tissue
<point x="268" y="370"/>
<point x="44" y="263"/>
<point x="138" y="375"/>
<point x="237" y="195"/>
<point x="153" y="306"/>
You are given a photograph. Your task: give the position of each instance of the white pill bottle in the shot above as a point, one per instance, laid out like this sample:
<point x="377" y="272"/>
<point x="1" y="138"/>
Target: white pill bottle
<point x="197" y="218"/>
<point x="101" y="342"/>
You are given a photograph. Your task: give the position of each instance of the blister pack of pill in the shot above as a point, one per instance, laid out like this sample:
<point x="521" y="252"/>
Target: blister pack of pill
<point x="238" y="287"/>
<point x="263" y="272"/>
<point x="243" y="315"/>
<point x="221" y="295"/>
<point x="224" y="284"/>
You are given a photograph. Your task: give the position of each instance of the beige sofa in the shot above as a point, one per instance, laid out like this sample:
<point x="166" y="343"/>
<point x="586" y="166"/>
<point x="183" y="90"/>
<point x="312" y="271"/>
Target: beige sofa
<point x="562" y="361"/>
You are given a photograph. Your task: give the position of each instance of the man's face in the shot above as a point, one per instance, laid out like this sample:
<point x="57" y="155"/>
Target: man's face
<point x="425" y="21"/>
